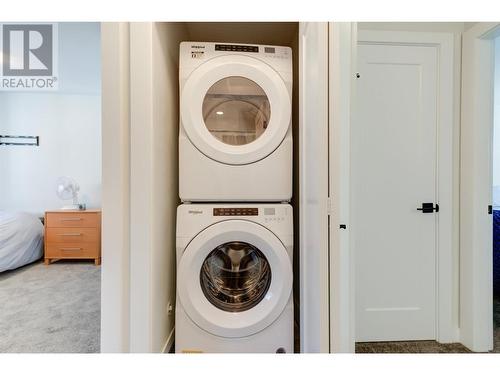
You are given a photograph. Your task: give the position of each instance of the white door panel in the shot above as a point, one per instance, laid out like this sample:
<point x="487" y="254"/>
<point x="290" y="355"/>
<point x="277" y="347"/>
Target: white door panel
<point x="393" y="173"/>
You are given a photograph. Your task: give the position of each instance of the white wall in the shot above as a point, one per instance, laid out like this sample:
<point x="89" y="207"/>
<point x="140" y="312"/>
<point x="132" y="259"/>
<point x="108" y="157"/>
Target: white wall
<point x="68" y="122"/>
<point x="115" y="270"/>
<point x="154" y="67"/>
<point x="166" y="39"/>
<point x="496" y="136"/>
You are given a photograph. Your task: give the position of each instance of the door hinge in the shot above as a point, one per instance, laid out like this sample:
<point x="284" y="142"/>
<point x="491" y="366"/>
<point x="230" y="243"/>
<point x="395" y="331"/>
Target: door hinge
<point x="490" y="209"/>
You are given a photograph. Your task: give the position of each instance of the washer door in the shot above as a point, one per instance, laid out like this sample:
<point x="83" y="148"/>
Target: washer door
<point x="234" y="278"/>
<point x="235" y="109"/>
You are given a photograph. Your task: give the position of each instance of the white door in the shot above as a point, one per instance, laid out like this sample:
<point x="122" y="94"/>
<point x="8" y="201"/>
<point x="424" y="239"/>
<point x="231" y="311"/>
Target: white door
<point x="393" y="173"/>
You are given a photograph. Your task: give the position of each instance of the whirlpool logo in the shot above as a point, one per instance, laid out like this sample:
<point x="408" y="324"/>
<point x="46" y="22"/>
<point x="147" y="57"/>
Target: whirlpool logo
<point x="29" y="57"/>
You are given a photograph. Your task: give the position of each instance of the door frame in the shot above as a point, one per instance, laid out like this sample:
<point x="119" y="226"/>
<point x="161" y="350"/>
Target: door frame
<point x="476" y="248"/>
<point x="446" y="301"/>
<point x="115" y="269"/>
<point x="342" y="46"/>
<point x="313" y="188"/>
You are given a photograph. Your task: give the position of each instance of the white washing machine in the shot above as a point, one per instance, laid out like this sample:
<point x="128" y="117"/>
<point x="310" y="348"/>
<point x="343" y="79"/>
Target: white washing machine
<point x="235" y="138"/>
<point x="234" y="278"/>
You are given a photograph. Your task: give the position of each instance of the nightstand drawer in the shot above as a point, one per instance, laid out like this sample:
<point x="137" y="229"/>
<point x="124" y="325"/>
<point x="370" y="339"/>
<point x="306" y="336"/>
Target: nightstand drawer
<point x="77" y="250"/>
<point x="72" y="220"/>
<point x="72" y="235"/>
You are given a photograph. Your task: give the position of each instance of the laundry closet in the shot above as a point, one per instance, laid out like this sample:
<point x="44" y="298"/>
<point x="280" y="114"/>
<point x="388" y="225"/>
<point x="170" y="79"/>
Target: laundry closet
<point x="151" y="141"/>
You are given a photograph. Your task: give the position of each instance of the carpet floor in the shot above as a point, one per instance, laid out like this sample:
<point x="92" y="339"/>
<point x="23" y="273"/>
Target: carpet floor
<point x="430" y="346"/>
<point x="51" y="309"/>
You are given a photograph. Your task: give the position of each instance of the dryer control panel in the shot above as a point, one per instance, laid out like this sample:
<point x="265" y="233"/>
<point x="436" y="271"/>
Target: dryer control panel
<point x="236" y="211"/>
<point x="193" y="54"/>
<point x="236" y="48"/>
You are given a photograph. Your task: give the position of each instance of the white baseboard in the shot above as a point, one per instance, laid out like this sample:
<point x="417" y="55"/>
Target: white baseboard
<point x="169" y="342"/>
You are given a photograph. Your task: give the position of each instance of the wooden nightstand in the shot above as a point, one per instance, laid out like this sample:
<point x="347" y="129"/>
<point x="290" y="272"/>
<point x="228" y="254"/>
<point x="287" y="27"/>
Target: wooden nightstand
<point x="71" y="234"/>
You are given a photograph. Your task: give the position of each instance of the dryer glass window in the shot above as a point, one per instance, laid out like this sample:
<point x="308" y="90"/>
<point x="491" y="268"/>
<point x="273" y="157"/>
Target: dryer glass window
<point x="236" y="110"/>
<point x="235" y="276"/>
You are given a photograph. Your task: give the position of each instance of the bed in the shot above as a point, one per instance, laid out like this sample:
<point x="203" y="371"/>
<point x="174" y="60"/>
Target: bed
<point x="21" y="239"/>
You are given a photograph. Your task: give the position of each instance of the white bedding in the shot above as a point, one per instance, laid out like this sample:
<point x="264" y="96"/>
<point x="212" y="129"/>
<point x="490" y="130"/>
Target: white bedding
<point x="21" y="239"/>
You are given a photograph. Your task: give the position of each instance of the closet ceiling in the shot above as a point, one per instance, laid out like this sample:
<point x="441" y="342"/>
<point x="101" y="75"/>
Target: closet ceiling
<point x="274" y="33"/>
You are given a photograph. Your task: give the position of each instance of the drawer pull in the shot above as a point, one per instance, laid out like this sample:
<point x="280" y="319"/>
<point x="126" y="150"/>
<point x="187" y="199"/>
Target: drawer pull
<point x="72" y="219"/>
<point x="70" y="234"/>
<point x="71" y="249"/>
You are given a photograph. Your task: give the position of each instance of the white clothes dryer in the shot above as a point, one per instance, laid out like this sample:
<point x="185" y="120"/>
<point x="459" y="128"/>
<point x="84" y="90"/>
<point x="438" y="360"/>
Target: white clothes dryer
<point x="235" y="138"/>
<point x="234" y="278"/>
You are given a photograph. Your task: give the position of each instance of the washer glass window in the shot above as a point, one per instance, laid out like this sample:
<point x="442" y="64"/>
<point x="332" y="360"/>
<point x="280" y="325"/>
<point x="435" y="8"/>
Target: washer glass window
<point x="235" y="276"/>
<point x="236" y="110"/>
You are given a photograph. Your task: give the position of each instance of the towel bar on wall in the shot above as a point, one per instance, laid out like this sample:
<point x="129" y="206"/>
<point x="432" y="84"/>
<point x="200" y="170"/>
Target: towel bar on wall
<point x="19" y="140"/>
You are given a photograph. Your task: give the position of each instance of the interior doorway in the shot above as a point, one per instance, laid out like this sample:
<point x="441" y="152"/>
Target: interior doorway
<point x="50" y="159"/>
<point x="400" y="208"/>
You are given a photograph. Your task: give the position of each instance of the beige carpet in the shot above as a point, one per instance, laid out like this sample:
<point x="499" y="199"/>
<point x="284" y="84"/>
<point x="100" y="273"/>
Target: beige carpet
<point x="50" y="309"/>
<point x="430" y="346"/>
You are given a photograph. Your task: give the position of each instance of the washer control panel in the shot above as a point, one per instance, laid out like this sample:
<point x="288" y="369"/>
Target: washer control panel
<point x="236" y="211"/>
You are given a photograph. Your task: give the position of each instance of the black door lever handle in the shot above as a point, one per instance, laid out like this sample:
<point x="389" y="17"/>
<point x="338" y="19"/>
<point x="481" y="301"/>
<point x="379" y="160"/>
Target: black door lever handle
<point x="428" y="208"/>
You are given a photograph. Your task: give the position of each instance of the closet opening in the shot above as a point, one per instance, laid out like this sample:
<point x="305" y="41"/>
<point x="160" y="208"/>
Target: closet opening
<point x="269" y="34"/>
<point x="167" y="38"/>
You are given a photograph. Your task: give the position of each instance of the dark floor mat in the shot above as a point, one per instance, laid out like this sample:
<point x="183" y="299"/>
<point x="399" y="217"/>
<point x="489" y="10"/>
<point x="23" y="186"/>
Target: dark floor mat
<point x="496" y="313"/>
<point x="410" y="347"/>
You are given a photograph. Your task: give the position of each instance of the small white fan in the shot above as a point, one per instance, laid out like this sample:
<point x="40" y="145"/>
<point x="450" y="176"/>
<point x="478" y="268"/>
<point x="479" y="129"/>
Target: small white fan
<point x="67" y="189"/>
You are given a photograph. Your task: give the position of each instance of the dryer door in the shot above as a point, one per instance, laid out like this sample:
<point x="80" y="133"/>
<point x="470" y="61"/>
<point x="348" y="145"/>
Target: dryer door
<point x="235" y="109"/>
<point x="234" y="278"/>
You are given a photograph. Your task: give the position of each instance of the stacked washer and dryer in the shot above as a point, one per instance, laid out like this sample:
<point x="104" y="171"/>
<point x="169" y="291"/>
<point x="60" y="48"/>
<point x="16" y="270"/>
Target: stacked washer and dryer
<point x="235" y="226"/>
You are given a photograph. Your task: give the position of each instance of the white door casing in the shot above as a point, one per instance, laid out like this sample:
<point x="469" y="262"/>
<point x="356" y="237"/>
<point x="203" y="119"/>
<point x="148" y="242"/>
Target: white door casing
<point x="403" y="263"/>
<point x="115" y="269"/>
<point x="234" y="324"/>
<point x="342" y="65"/>
<point x="193" y="94"/>
<point x="476" y="247"/>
